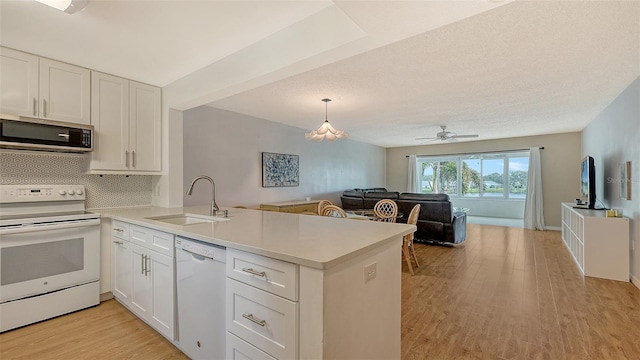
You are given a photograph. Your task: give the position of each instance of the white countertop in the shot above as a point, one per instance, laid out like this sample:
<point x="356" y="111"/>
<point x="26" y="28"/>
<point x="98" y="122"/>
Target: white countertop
<point x="312" y="241"/>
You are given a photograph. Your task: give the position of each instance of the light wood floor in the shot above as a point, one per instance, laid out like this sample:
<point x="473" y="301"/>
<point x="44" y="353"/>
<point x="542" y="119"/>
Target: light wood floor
<point x="506" y="293"/>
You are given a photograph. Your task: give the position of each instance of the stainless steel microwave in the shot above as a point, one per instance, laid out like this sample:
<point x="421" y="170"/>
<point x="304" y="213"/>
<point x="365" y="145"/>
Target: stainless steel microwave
<point x="36" y="134"/>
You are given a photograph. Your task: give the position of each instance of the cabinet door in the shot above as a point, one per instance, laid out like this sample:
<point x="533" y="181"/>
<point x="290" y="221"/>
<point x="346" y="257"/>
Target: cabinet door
<point x="65" y="93"/>
<point x="110" y="119"/>
<point x="144" y="127"/>
<point x="18" y="83"/>
<point x="161" y="316"/>
<point x="141" y="283"/>
<point x="122" y="269"/>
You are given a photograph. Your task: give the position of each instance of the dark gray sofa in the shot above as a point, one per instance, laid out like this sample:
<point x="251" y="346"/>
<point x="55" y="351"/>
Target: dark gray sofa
<point x="437" y="222"/>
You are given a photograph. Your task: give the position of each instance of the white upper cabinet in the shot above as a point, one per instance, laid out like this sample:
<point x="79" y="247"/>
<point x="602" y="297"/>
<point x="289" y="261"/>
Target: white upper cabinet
<point x="65" y="93"/>
<point x="18" y="83"/>
<point x="110" y="120"/>
<point x="144" y="127"/>
<point x="43" y="88"/>
<point x="126" y="119"/>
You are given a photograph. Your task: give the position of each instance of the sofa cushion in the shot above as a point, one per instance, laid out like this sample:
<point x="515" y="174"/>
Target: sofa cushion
<point x="353" y="193"/>
<point x="372" y="198"/>
<point x="424" y="197"/>
<point x="393" y="195"/>
<point x="352" y="203"/>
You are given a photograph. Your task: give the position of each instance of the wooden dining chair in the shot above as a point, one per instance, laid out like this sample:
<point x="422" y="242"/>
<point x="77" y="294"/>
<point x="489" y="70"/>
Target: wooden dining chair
<point x="385" y="210"/>
<point x="333" y="211"/>
<point x="408" y="250"/>
<point x="322" y="204"/>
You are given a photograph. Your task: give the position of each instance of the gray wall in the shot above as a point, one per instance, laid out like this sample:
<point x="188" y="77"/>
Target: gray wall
<point x="611" y="138"/>
<point x="227" y="146"/>
<point x="560" y="171"/>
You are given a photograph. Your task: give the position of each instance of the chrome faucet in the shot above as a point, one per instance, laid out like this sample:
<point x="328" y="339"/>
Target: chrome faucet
<point x="214" y="206"/>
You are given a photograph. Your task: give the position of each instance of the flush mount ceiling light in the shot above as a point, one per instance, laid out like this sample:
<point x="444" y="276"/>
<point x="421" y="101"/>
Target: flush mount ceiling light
<point x="68" y="6"/>
<point x="326" y="130"/>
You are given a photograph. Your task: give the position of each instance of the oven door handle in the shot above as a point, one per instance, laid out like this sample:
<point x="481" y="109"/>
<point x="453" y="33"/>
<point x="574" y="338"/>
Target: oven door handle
<point x="53" y="226"/>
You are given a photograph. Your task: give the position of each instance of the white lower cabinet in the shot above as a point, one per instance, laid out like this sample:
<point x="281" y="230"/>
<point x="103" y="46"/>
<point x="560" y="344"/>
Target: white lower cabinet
<point x="238" y="349"/>
<point x="122" y="270"/>
<point x="263" y="321"/>
<point x="144" y="280"/>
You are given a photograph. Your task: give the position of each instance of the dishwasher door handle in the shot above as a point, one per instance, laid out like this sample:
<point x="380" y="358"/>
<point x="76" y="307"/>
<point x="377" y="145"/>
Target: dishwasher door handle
<point x="196" y="255"/>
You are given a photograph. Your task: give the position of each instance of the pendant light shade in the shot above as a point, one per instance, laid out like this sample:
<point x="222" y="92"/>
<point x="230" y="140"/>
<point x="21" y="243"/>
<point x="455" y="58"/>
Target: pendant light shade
<point x="68" y="6"/>
<point x="326" y="131"/>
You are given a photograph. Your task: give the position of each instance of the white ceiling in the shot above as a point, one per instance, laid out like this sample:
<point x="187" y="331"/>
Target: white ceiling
<point x="395" y="70"/>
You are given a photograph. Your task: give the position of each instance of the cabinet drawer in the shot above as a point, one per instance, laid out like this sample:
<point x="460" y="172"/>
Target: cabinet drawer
<point x="120" y="230"/>
<point x="152" y="239"/>
<point x="275" y="276"/>
<point x="264" y="320"/>
<point x="238" y="349"/>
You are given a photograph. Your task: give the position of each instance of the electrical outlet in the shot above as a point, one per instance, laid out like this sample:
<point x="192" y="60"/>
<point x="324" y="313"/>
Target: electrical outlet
<point x="370" y="272"/>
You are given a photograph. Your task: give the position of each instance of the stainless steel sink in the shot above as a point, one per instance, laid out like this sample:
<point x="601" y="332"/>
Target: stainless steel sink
<point x="186" y="219"/>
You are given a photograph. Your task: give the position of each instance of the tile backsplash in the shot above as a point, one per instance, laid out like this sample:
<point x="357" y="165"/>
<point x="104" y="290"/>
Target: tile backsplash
<point x="103" y="191"/>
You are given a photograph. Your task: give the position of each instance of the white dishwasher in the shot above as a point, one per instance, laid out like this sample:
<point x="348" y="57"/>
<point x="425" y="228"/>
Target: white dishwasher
<point x="200" y="274"/>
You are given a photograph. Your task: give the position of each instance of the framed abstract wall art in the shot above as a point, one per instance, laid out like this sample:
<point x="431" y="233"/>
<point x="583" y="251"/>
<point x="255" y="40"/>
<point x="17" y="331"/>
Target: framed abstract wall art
<point x="280" y="170"/>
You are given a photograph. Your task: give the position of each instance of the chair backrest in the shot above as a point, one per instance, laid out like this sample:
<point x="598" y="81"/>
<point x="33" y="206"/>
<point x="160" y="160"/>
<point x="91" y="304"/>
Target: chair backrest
<point x="412" y="220"/>
<point x="322" y="204"/>
<point x="333" y="211"/>
<point x="413" y="215"/>
<point x="386" y="210"/>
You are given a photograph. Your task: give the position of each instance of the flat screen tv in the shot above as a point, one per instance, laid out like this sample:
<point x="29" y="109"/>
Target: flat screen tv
<point x="588" y="181"/>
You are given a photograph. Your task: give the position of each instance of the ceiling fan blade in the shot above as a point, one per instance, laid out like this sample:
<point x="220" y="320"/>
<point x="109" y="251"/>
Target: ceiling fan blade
<point x="427" y="138"/>
<point x="464" y="136"/>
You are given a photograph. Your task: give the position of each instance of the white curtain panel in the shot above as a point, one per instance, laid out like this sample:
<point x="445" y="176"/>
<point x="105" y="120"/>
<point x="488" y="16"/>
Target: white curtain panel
<point x="533" y="213"/>
<point x="412" y="178"/>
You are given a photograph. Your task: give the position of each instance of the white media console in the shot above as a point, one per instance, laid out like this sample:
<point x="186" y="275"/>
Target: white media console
<point x="598" y="244"/>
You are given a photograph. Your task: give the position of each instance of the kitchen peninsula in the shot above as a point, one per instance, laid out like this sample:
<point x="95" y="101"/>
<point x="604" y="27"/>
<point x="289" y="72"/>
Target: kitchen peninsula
<point x="341" y="278"/>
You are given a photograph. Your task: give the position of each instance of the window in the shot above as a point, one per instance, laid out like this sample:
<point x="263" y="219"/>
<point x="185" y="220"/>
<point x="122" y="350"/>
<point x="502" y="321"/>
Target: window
<point x="494" y="175"/>
<point x="439" y="177"/>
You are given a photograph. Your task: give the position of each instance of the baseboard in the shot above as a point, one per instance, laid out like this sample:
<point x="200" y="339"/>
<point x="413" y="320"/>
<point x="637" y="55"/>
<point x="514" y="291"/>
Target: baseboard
<point x="635" y="281"/>
<point x="106" y="296"/>
<point x="553" y="228"/>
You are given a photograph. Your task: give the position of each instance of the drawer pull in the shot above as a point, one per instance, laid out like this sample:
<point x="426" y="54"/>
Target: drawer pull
<point x="118" y="242"/>
<point x="118" y="230"/>
<point x="253" y="319"/>
<point x="253" y="272"/>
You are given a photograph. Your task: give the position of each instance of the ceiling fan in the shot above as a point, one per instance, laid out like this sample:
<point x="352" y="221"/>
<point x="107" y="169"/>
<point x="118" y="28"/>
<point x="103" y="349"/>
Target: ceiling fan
<point x="445" y="135"/>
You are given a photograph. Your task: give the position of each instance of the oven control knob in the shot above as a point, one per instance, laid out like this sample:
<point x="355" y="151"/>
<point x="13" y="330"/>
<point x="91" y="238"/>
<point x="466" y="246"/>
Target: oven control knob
<point x="62" y="192"/>
<point x="71" y="192"/>
<point x="79" y="191"/>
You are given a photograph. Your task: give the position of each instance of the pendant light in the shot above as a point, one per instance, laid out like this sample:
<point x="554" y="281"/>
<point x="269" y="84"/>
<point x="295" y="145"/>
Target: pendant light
<point x="68" y="6"/>
<point x="326" y="130"/>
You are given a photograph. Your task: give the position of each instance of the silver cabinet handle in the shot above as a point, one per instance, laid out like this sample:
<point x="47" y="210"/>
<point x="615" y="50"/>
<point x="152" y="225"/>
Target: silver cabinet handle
<point x="118" y="230"/>
<point x="147" y="266"/>
<point x="35" y="107"/>
<point x="254" y="319"/>
<point x="133" y="158"/>
<point x="253" y="272"/>
<point x="44" y="107"/>
<point x="118" y="242"/>
<point x="126" y="158"/>
<point x="142" y="263"/>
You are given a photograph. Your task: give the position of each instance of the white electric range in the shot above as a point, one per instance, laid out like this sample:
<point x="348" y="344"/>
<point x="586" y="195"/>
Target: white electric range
<point x="49" y="253"/>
